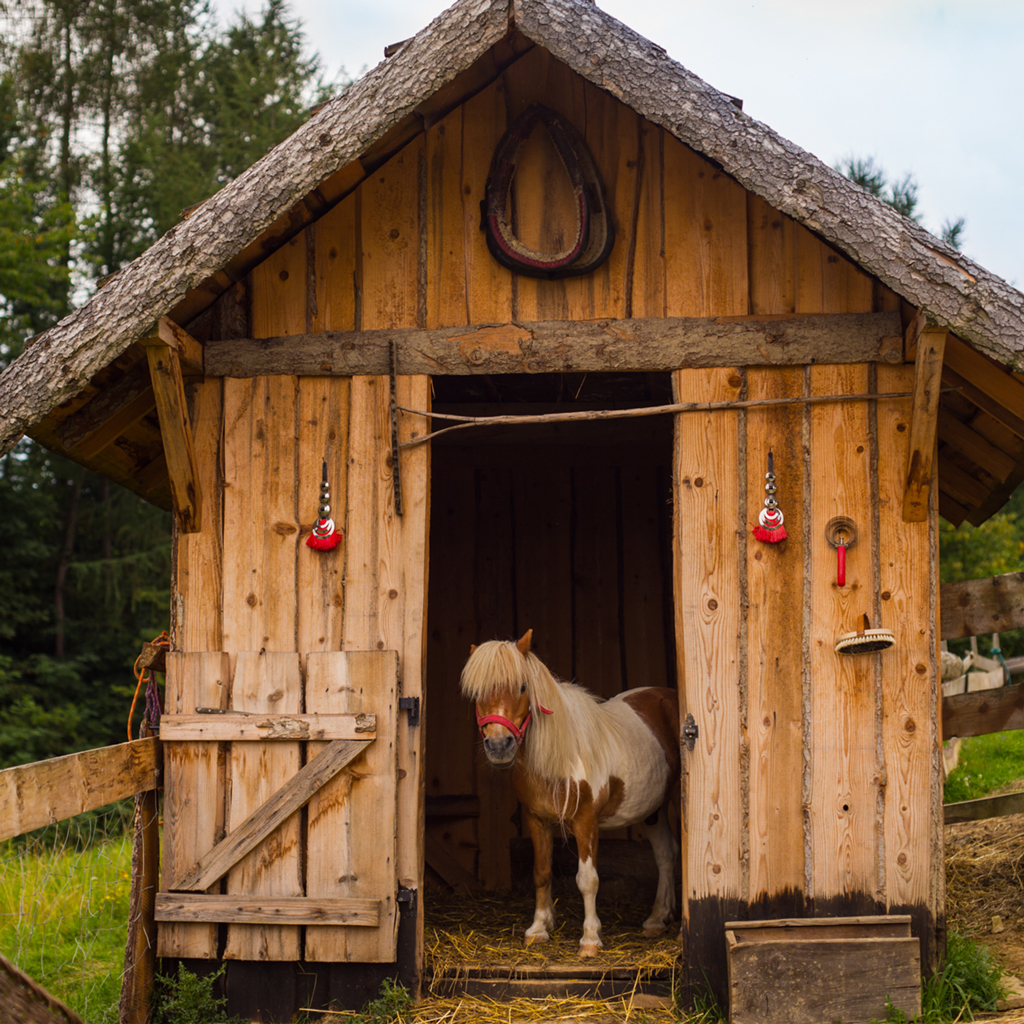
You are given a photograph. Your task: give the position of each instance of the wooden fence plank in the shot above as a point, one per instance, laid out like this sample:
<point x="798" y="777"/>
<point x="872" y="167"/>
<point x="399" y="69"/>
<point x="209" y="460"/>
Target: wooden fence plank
<point x="561" y="346"/>
<point x="43" y="792"/>
<point x="177" y="906"/>
<point x="986" y="807"/>
<point x="977" y="607"/>
<point x="984" y="712"/>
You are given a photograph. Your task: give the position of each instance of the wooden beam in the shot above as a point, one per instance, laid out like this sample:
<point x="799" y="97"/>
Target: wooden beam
<point x="923" y="421"/>
<point x="978" y="607"/>
<point x="559" y="346"/>
<point x="983" y="712"/>
<point x="231" y="727"/>
<point x="966" y="489"/>
<point x="977" y="448"/>
<point x="238" y="909"/>
<point x="190" y="351"/>
<point x="950" y="509"/>
<point x="41" y="793"/>
<point x="176" y="431"/>
<point x="983" y="400"/>
<point x="288" y="799"/>
<point x="108" y="414"/>
<point x="986" y="807"/>
<point x="985" y="374"/>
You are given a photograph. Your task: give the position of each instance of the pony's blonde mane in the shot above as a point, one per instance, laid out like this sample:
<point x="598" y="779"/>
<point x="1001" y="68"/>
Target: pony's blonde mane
<point x="576" y="741"/>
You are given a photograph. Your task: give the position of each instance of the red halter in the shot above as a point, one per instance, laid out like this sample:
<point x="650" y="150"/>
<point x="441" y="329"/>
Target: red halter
<point x="519" y="731"/>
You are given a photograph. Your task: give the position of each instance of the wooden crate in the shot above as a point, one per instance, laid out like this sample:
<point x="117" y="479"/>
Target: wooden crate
<point x="839" y="969"/>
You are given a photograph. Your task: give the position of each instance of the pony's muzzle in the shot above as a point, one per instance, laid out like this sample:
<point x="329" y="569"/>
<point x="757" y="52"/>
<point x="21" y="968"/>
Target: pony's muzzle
<point x="501" y="750"/>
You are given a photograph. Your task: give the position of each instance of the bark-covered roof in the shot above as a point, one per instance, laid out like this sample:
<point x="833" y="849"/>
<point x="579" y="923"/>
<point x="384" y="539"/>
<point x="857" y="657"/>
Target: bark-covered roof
<point x="954" y="291"/>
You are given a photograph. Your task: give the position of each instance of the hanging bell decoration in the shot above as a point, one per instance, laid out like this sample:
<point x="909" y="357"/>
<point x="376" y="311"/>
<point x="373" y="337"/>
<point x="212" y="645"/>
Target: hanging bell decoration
<point x="769" y="522"/>
<point x="325" y="535"/>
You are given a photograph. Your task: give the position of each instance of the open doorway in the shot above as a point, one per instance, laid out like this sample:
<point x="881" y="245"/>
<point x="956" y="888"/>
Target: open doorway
<point x="561" y="528"/>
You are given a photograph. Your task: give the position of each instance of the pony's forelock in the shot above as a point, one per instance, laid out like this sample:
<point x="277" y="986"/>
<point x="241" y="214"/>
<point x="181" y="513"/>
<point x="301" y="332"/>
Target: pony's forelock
<point x="492" y="667"/>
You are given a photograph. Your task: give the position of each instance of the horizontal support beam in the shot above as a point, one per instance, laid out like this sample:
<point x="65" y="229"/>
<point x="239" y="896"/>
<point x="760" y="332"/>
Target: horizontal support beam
<point x="566" y="346"/>
<point x="986" y="807"/>
<point x="295" y="793"/>
<point x="233" y="726"/>
<point x="983" y="712"/>
<point x="203" y="908"/>
<point x="39" y="794"/>
<point x="978" y="607"/>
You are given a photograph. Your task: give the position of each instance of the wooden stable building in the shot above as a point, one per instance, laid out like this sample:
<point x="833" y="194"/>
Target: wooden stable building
<point x="322" y="304"/>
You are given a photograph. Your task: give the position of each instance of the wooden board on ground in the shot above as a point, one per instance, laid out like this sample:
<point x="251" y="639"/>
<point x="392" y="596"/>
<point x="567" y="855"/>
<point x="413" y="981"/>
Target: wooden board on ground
<point x="24" y="1001"/>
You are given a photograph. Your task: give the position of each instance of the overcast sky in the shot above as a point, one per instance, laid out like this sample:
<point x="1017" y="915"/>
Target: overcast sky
<point x="933" y="88"/>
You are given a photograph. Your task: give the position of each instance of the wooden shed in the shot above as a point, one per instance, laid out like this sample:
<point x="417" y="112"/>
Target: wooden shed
<point x="322" y="304"/>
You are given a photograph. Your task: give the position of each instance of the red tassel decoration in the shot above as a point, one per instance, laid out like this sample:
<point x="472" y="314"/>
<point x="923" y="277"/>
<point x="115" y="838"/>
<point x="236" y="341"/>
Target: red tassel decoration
<point x="325" y="536"/>
<point x="769" y="527"/>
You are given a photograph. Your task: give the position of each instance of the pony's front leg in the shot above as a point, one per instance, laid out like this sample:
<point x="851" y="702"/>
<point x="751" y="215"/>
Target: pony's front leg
<point x="666" y="854"/>
<point x="587" y="882"/>
<point x="544" y="912"/>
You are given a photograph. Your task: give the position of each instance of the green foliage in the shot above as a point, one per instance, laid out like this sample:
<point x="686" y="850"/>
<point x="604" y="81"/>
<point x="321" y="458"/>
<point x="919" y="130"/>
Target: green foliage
<point x="390" y="1007"/>
<point x="987" y="764"/>
<point x="189" y="999"/>
<point x="706" y="1009"/>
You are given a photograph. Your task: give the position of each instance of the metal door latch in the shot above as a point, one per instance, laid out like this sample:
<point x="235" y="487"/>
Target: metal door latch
<point x="412" y="705"/>
<point x="690" y="732"/>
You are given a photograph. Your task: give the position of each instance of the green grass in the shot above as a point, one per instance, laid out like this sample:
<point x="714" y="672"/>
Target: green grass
<point x="64" y="914"/>
<point x="987" y="764"/>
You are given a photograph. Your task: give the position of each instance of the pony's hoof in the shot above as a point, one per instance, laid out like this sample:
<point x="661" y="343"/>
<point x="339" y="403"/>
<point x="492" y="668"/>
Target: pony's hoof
<point x="653" y="931"/>
<point x="590" y="948"/>
<point x="537" y="937"/>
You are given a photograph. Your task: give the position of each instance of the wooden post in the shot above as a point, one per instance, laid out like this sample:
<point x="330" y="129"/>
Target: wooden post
<point x="136" y="1005"/>
<point x="927" y="384"/>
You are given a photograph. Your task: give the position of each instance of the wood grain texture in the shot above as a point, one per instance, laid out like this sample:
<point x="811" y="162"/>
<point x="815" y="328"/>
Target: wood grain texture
<point x="350" y="842"/>
<point x="193" y="791"/>
<point x="264" y="682"/>
<point x="911" y="694"/>
<point x="707" y="560"/>
<point x="975" y="607"/>
<point x="238" y="727"/>
<point x="39" y="794"/>
<point x="550" y="346"/>
<point x="983" y="712"/>
<point x="775" y="649"/>
<point x="845" y="769"/>
<point x="111" y="410"/>
<point x="267" y="910"/>
<point x="923" y="425"/>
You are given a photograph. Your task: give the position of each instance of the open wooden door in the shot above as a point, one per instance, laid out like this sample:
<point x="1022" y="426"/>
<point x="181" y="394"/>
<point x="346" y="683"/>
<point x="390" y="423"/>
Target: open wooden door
<point x="312" y="662"/>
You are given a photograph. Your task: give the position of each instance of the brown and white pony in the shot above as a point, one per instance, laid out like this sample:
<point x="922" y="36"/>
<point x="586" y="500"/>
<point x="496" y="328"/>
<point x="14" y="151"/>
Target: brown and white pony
<point x="585" y="764"/>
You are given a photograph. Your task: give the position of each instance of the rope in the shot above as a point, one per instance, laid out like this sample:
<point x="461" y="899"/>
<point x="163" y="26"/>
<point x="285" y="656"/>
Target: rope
<point x="147" y="676"/>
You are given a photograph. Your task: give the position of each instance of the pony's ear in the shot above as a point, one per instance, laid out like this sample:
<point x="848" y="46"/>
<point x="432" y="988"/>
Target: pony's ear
<point x="472" y="648"/>
<point x="523" y="643"/>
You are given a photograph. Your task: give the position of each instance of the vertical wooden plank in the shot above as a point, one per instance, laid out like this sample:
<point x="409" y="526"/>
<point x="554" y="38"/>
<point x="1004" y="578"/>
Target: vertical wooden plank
<point x="488" y="284"/>
<point x="390" y="239"/>
<point x="707" y="552"/>
<point x="334" y="236"/>
<point x="772" y="260"/>
<point x="193" y="792"/>
<point x="323" y="434"/>
<point x="775" y="650"/>
<point x="198" y="600"/>
<point x="351" y="832"/>
<point x="597" y="649"/>
<point x="910" y="691"/>
<point x="644" y="552"/>
<point x="452" y="741"/>
<point x="705" y="237"/>
<point x="494" y="594"/>
<point x="845" y="773"/>
<point x="268" y="682"/>
<point x="543" y="510"/>
<point x="649" y="286"/>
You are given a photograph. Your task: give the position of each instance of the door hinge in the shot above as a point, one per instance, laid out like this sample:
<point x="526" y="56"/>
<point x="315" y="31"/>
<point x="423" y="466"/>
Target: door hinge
<point x="406" y="900"/>
<point x="690" y="732"/>
<point x="412" y="705"/>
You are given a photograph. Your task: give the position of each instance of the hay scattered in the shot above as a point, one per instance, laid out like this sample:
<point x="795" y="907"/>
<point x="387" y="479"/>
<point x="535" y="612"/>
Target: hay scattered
<point x="984" y="872"/>
<point x="486" y="931"/>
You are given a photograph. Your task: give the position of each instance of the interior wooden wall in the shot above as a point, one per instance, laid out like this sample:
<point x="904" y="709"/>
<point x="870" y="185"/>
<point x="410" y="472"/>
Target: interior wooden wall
<point x="572" y="540"/>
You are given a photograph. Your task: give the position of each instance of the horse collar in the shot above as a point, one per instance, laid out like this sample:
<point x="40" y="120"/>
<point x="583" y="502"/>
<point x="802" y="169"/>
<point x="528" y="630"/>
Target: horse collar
<point x="519" y="731"/>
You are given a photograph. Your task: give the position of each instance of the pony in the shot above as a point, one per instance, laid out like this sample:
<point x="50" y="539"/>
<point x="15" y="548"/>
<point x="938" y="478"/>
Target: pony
<point x="588" y="764"/>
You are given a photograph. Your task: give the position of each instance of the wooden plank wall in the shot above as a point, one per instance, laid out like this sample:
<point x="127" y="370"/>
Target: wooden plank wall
<point x="572" y="541"/>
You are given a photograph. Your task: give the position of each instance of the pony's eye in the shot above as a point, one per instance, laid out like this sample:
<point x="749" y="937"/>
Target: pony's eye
<point x="522" y="689"/>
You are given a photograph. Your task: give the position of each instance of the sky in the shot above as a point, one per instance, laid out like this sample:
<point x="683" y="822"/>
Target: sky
<point x="935" y="89"/>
